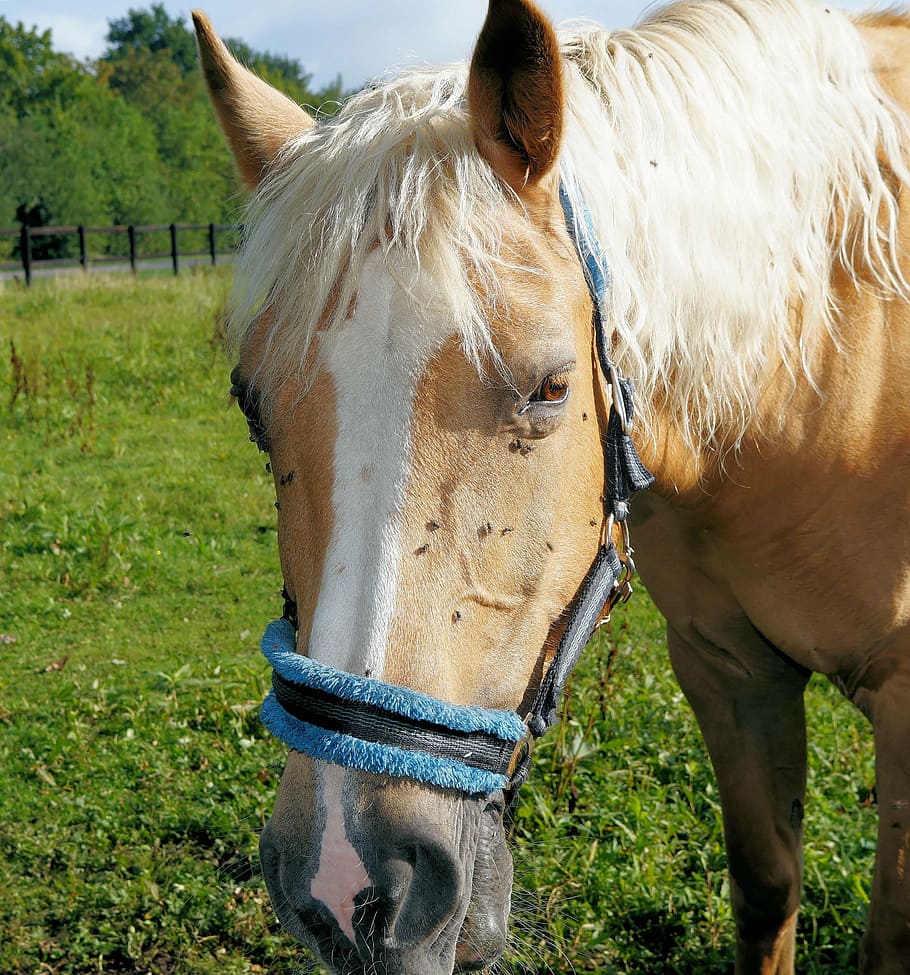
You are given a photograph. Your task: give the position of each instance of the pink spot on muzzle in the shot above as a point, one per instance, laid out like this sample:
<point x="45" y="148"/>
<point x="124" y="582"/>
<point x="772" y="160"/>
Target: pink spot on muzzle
<point x="341" y="875"/>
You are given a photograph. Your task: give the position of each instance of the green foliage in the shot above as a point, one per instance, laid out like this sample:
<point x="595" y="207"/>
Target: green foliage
<point x="128" y="139"/>
<point x="35" y="79"/>
<point x="154" y="32"/>
<point x="138" y="563"/>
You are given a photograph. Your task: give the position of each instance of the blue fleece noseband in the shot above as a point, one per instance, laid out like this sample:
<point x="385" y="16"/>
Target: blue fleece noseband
<point x="367" y="697"/>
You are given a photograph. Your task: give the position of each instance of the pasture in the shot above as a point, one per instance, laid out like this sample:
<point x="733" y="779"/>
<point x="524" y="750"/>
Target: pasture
<point x="138" y="567"/>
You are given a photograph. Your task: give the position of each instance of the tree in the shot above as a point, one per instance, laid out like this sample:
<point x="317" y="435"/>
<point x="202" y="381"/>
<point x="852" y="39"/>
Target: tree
<point x="151" y="30"/>
<point x="128" y="139"/>
<point x="95" y="163"/>
<point x="71" y="151"/>
<point x="35" y="79"/>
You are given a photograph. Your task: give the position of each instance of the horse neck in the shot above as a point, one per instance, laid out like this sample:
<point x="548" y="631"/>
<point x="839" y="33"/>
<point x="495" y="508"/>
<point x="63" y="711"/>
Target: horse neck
<point x="836" y="412"/>
<point x="720" y="199"/>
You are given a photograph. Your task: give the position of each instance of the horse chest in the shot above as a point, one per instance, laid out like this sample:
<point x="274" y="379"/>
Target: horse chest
<point x="821" y="579"/>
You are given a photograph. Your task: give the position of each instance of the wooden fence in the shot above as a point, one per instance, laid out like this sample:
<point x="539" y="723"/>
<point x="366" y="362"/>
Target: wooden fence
<point x="130" y="246"/>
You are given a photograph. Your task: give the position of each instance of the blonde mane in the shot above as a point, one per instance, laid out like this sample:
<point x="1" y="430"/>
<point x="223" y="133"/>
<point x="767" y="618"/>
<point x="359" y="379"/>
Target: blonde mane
<point x="719" y="146"/>
<point x="397" y="166"/>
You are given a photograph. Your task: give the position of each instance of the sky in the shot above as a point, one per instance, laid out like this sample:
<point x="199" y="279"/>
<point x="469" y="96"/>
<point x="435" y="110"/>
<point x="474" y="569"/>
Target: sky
<point x="358" y="39"/>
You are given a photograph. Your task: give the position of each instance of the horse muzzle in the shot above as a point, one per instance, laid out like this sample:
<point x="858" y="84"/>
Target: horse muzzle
<point x="387" y="875"/>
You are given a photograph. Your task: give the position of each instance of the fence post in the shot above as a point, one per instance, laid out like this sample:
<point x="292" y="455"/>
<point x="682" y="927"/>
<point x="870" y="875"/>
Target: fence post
<point x="212" y="250"/>
<point x="83" y="258"/>
<point x="173" y="229"/>
<point x="131" y="235"/>
<point x="25" y="246"/>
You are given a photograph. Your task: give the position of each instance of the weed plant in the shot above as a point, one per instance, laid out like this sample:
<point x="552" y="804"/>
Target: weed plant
<point x="138" y="565"/>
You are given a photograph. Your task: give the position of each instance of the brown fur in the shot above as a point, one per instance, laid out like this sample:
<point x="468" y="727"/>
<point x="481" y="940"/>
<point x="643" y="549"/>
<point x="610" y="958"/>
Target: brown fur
<point x="515" y="93"/>
<point x="507" y="587"/>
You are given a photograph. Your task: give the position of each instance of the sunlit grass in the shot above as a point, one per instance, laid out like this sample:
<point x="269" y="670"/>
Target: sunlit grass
<point x="138" y="564"/>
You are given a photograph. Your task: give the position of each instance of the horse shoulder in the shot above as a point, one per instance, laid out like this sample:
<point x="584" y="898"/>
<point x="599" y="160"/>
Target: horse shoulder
<point x="767" y="534"/>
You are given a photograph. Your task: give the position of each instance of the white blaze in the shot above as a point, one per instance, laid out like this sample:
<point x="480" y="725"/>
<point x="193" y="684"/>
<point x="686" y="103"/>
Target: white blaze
<point x="375" y="358"/>
<point x="374" y="373"/>
<point x="341" y="875"/>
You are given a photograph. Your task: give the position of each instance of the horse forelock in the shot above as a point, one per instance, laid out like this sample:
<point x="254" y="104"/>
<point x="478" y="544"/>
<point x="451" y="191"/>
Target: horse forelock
<point x="717" y="145"/>
<point x="397" y="171"/>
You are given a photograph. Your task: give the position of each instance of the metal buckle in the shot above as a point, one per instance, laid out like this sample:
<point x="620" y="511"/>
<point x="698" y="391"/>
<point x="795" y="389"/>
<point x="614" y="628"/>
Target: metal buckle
<point x="620" y="593"/>
<point x="619" y="403"/>
<point x="522" y="754"/>
<point x="624" y="583"/>
<point x="622" y="587"/>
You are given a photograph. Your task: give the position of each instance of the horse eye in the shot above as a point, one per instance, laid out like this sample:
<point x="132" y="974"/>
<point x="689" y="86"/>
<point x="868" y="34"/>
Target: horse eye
<point x="554" y="389"/>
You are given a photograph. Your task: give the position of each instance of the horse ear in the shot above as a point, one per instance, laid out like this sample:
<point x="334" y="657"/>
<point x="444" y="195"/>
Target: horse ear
<point x="257" y="119"/>
<point x="515" y="93"/>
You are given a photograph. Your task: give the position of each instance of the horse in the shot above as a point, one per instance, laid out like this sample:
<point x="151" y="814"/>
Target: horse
<point x="415" y="342"/>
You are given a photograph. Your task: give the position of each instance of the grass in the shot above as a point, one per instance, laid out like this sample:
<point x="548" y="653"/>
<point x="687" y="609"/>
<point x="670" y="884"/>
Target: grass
<point x="138" y="564"/>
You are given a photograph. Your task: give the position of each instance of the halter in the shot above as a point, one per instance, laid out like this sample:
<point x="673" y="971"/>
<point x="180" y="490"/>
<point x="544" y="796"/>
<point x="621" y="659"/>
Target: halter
<point x="368" y="724"/>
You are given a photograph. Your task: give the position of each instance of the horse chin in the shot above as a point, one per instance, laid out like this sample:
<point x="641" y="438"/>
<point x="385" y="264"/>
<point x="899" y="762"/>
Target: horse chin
<point x="483" y="934"/>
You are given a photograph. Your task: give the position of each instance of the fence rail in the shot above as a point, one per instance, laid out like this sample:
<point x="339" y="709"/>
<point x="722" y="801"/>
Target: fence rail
<point x="126" y="243"/>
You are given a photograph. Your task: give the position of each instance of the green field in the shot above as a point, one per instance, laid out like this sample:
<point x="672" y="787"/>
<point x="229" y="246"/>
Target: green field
<point x="138" y="565"/>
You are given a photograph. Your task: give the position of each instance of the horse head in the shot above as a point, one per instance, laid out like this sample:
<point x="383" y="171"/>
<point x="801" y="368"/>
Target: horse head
<point x="415" y="350"/>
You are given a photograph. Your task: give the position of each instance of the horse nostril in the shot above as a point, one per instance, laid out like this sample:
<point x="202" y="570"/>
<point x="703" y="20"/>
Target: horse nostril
<point x="480" y="951"/>
<point x="416" y="893"/>
<point x="402" y="908"/>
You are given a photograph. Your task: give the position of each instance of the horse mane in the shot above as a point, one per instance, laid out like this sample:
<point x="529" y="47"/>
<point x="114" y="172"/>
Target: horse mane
<point x="730" y="152"/>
